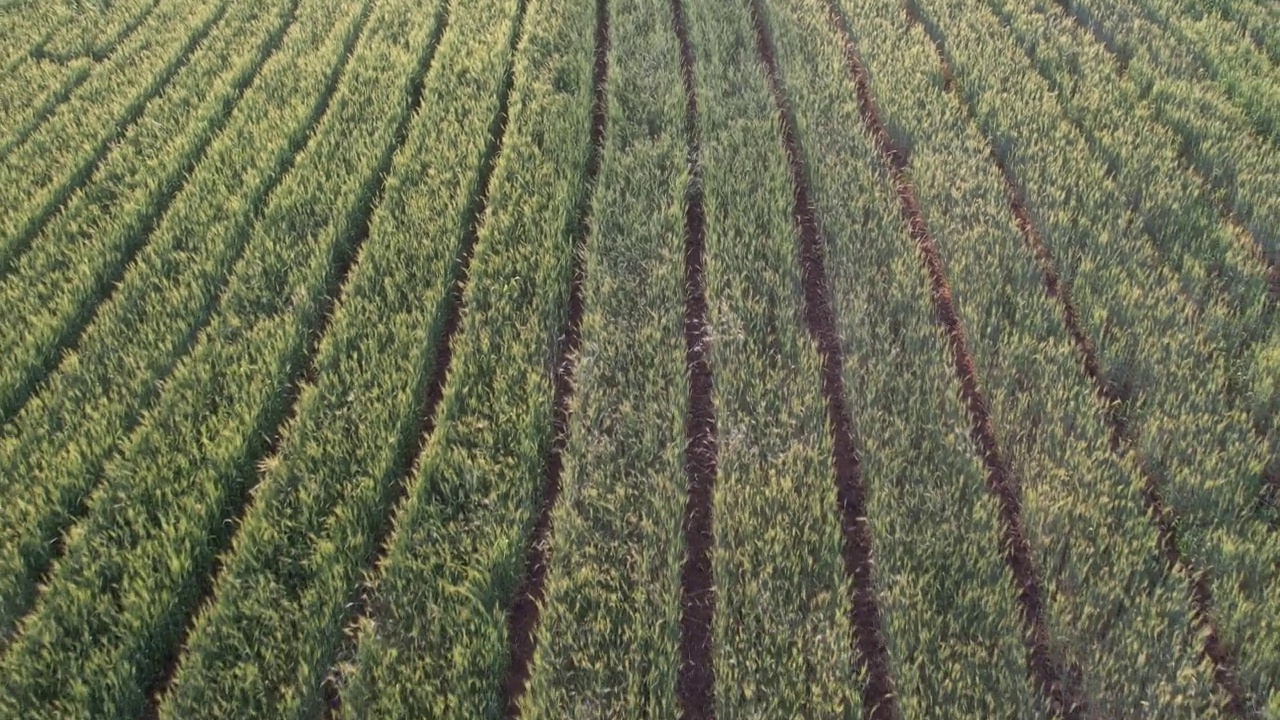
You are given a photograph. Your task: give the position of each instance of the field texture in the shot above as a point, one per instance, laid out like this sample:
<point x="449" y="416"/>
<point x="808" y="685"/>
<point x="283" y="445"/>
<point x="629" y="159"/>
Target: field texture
<point x="739" y="359"/>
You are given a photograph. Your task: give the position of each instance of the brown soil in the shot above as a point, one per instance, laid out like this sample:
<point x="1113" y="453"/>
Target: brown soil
<point x="695" y="687"/>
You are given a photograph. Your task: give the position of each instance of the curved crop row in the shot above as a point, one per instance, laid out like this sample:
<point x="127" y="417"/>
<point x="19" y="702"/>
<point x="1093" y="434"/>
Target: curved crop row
<point x="168" y="499"/>
<point x="95" y="33"/>
<point x="1245" y="71"/>
<point x="1019" y="352"/>
<point x="1125" y="653"/>
<point x="1257" y="20"/>
<point x="1215" y="137"/>
<point x="437" y="640"/>
<point x="52" y="452"/>
<point x="37" y="176"/>
<point x="325" y="494"/>
<point x="50" y="51"/>
<point x="1153" y="347"/>
<point x="1218" y="271"/>
<point x="616" y="552"/>
<point x="1174" y="206"/>
<point x="54" y="289"/>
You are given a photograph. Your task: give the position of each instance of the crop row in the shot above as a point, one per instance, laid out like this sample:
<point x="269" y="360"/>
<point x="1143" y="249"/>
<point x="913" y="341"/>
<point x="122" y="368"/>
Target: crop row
<point x="992" y="407"/>
<point x="1217" y="139"/>
<point x="91" y="34"/>
<point x="1215" y="136"/>
<point x="939" y="531"/>
<point x="38" y="175"/>
<point x="1218" y="270"/>
<point x="223" y="402"/>
<point x="438" y="639"/>
<point x="49" y="52"/>
<point x="1172" y="203"/>
<point x="1231" y="58"/>
<point x="1154" y="349"/>
<point x="616" y="548"/>
<point x="54" y="449"/>
<point x="325" y="493"/>
<point x="1258" y="20"/>
<point x="788" y="625"/>
<point x="151" y="552"/>
<point x="1054" y="431"/>
<point x="55" y="288"/>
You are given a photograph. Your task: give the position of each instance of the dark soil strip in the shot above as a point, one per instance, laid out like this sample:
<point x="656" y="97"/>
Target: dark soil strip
<point x="286" y="408"/>
<point x="1115" y="398"/>
<point x="68" y="339"/>
<point x="1225" y="669"/>
<point x="522" y="621"/>
<point x="695" y="686"/>
<point x="259" y="203"/>
<point x="878" y="697"/>
<point x="1062" y="690"/>
<point x="86" y="170"/>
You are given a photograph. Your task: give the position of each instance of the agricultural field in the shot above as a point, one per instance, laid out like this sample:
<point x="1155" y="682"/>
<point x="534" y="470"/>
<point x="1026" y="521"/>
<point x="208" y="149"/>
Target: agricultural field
<point x="547" y="359"/>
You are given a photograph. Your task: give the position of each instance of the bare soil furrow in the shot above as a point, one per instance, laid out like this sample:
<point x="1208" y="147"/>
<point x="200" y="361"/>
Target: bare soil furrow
<point x="696" y="685"/>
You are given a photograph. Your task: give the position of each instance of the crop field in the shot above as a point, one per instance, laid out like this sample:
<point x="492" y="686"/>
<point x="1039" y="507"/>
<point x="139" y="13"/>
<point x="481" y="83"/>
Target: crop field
<point x="547" y="359"/>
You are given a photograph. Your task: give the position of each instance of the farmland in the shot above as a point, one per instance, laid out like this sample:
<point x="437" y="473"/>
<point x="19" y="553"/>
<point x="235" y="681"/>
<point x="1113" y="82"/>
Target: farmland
<point x="639" y="358"/>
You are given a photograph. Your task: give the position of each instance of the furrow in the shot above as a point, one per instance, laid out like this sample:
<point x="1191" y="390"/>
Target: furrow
<point x="878" y="693"/>
<point x="1114" y="399"/>
<point x="696" y="684"/>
